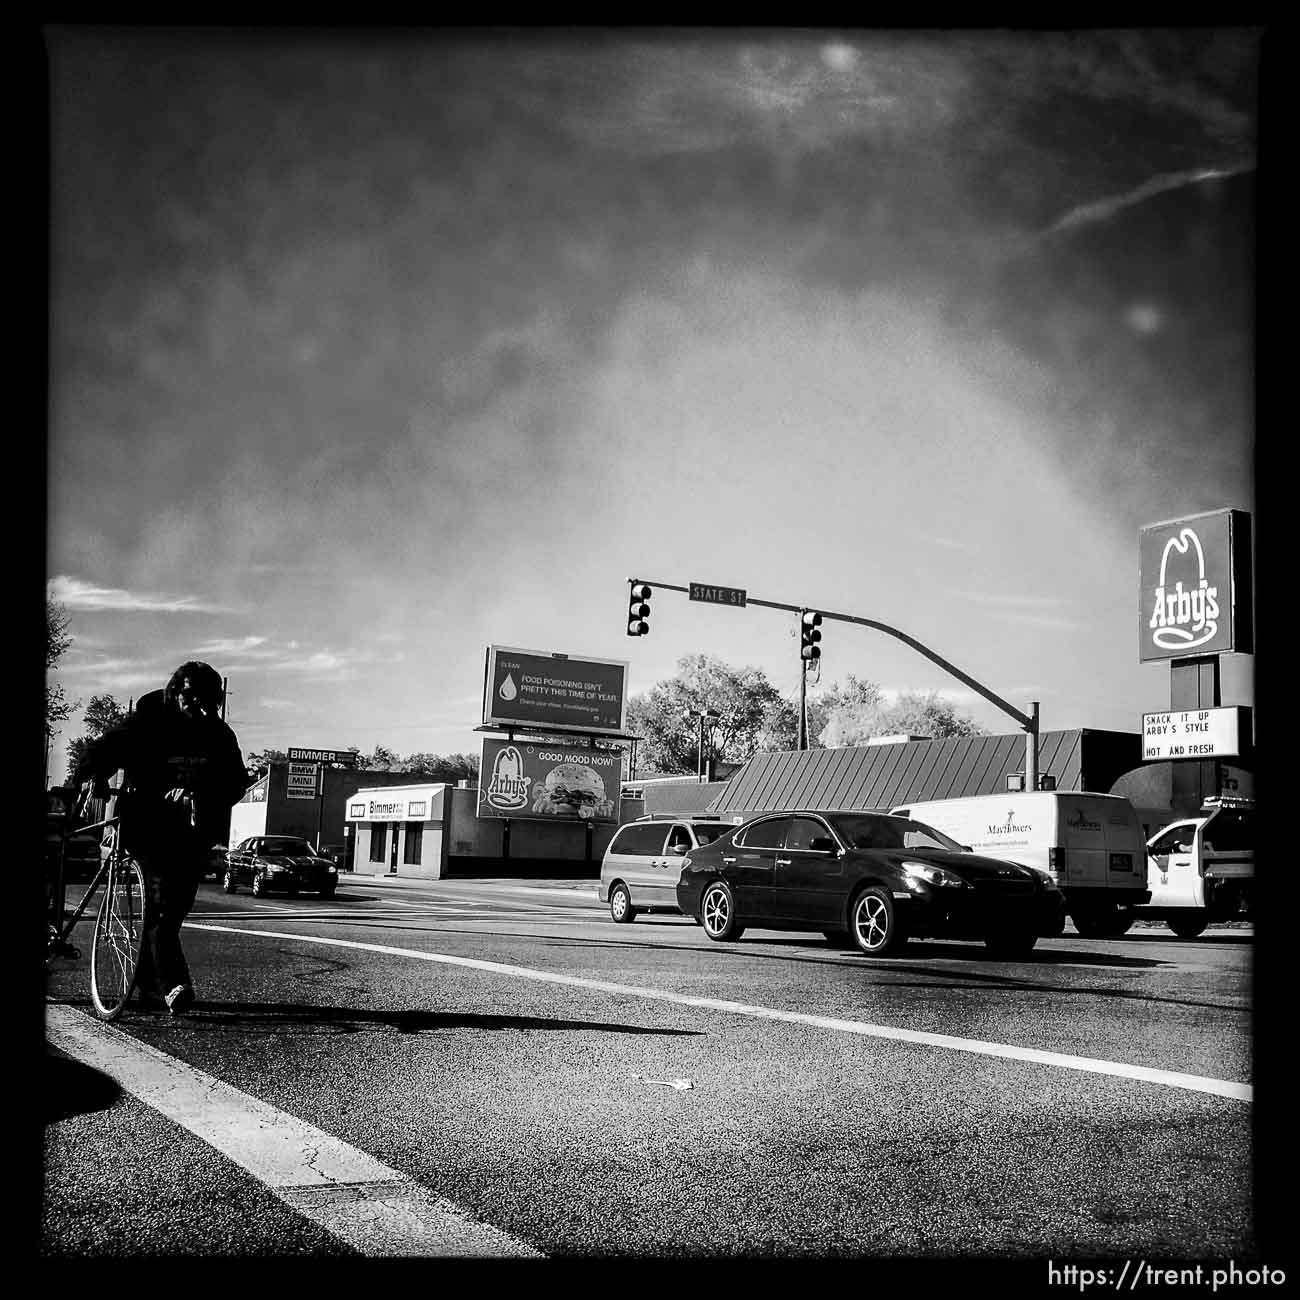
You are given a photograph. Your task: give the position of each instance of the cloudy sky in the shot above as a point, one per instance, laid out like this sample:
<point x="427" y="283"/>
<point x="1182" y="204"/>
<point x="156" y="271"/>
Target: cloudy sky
<point x="370" y="351"/>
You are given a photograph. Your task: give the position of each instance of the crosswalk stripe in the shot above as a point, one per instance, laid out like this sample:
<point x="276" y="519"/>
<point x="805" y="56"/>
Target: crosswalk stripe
<point x="359" y="1200"/>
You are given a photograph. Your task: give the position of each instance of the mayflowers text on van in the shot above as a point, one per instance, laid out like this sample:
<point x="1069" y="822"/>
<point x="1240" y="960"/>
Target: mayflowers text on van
<point x="1010" y="828"/>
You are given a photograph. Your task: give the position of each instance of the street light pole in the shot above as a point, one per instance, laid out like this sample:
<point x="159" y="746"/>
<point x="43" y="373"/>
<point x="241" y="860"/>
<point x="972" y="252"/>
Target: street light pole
<point x="702" y="714"/>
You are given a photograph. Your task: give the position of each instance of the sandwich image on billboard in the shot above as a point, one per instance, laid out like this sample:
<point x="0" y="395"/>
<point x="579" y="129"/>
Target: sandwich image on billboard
<point x="549" y="781"/>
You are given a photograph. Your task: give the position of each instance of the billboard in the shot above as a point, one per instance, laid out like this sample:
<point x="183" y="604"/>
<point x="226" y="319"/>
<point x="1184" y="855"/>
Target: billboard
<point x="548" y="781"/>
<point x="1196" y="589"/>
<point x="555" y="692"/>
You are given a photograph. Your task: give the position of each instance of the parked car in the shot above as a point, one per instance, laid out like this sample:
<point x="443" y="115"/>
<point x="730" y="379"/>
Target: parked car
<point x="640" y="868"/>
<point x="286" y="863"/>
<point x="866" y="878"/>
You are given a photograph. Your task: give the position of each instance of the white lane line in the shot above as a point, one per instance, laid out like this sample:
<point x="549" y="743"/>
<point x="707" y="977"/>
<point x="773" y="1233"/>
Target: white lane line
<point x="1008" y="1051"/>
<point x="358" y="1199"/>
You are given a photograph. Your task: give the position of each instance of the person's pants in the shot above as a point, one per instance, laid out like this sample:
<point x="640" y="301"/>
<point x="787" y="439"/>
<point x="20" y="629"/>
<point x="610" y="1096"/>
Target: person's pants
<point x="170" y="889"/>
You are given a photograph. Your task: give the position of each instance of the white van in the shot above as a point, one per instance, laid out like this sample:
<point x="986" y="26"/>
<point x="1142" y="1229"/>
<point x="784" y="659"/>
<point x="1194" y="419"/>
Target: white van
<point x="1092" y="845"/>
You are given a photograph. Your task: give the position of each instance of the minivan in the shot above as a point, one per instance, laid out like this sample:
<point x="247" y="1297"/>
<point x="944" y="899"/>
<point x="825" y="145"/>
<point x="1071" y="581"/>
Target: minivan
<point x="640" y="868"/>
<point x="1092" y="845"/>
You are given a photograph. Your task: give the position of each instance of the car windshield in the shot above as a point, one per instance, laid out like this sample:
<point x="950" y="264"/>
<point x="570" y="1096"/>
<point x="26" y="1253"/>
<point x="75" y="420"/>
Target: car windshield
<point x="868" y="831"/>
<point x="286" y="847"/>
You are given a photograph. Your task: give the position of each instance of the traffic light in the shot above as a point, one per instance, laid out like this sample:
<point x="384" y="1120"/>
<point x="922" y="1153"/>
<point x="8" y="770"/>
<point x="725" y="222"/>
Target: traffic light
<point x="638" y="609"/>
<point x="809" y="635"/>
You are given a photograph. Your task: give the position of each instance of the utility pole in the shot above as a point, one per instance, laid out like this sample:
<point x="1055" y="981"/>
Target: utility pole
<point x="809" y="653"/>
<point x="225" y="683"/>
<point x="702" y="714"/>
<point x="803" y="704"/>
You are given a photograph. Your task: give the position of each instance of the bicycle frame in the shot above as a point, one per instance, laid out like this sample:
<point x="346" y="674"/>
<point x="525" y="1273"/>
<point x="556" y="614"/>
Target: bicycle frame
<point x="61" y="925"/>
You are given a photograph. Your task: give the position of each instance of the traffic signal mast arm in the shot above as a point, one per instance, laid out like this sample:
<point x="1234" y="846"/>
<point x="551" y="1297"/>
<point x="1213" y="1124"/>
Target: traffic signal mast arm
<point x="1028" y="722"/>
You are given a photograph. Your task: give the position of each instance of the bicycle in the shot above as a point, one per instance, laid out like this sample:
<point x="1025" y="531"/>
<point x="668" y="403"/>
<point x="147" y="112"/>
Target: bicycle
<point x="119" y="924"/>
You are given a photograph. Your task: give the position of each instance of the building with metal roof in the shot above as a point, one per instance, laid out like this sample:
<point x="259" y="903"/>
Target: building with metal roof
<point x="881" y="776"/>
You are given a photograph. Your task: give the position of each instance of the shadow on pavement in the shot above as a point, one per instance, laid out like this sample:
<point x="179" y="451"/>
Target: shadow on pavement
<point x="275" y="1016"/>
<point x="70" y="1088"/>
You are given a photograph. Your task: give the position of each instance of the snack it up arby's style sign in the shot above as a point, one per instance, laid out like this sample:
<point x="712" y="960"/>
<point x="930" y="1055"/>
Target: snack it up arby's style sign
<point x="557" y="692"/>
<point x="1195" y="580"/>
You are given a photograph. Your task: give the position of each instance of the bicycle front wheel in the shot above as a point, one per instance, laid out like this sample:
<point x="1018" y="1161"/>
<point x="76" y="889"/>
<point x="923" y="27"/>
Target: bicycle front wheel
<point x="119" y="932"/>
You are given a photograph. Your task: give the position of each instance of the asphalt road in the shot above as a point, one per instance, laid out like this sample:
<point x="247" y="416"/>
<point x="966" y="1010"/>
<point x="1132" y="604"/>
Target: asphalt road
<point x="494" y="1068"/>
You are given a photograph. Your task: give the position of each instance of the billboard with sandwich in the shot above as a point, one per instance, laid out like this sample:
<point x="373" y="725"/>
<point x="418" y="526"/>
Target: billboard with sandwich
<point x="547" y="780"/>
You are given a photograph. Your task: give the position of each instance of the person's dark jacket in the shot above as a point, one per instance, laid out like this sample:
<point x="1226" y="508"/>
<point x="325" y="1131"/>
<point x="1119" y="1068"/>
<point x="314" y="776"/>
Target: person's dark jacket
<point x="160" y="749"/>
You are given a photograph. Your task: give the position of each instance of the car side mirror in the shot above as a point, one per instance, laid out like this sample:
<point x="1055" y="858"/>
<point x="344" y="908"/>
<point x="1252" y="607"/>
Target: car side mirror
<point x="824" y="844"/>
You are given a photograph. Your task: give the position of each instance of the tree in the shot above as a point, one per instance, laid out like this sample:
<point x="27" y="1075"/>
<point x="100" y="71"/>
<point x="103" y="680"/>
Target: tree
<point x="913" y="713"/>
<point x="103" y="713"/>
<point x="436" y="767"/>
<point x="258" y="762"/>
<point x="57" y="641"/>
<point x="382" y="760"/>
<point x="855" y="694"/>
<point x="752" y="716"/>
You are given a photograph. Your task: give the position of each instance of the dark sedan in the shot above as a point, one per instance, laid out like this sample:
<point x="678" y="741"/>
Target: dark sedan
<point x="284" y="863"/>
<point x="866" y="878"/>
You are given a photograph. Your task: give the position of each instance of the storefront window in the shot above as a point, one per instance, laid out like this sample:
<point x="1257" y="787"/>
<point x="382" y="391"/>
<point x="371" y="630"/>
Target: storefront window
<point x="378" y="841"/>
<point x="413" y="849"/>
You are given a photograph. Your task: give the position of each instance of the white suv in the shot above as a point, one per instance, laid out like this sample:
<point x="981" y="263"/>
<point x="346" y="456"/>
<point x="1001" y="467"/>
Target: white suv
<point x="640" y="869"/>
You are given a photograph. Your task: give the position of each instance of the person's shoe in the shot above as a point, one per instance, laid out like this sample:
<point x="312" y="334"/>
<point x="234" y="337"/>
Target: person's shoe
<point x="180" y="999"/>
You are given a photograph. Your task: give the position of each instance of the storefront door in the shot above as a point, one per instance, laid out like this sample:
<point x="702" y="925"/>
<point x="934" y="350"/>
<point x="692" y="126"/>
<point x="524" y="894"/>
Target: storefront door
<point x="396" y="829"/>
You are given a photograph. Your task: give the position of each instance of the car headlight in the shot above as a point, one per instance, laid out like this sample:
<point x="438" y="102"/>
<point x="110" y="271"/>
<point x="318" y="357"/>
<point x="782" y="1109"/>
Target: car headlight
<point x="927" y="873"/>
<point x="275" y="870"/>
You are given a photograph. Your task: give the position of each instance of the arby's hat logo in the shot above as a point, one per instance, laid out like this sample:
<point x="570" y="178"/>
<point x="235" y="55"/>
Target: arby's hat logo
<point x="1184" y="615"/>
<point x="508" y="788"/>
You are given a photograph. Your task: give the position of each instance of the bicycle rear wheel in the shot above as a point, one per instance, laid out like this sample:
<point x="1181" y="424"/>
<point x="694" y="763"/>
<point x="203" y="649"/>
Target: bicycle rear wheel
<point x="119" y="932"/>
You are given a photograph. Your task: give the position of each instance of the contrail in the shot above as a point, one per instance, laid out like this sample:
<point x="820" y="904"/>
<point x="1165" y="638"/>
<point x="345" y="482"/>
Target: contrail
<point x="1101" y="209"/>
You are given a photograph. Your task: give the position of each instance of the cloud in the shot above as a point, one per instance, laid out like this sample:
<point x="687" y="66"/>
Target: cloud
<point x="231" y="645"/>
<point x="76" y="594"/>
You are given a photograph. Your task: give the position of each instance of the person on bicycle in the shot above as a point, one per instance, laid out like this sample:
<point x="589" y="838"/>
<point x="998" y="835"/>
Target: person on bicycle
<point x="183" y="772"/>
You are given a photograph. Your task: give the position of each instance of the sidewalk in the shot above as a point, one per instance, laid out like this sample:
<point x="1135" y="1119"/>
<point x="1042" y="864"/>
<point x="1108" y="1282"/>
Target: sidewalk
<point x="363" y="879"/>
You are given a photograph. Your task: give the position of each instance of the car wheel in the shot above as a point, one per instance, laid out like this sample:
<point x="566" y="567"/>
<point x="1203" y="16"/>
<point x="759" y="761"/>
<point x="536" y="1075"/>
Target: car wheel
<point x="718" y="912"/>
<point x="228" y="881"/>
<point x="873" y="923"/>
<point x="259" y="886"/>
<point x="1011" y="943"/>
<point x="1189" y="926"/>
<point x="620" y="904"/>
